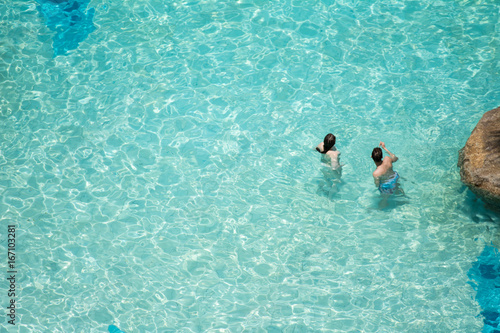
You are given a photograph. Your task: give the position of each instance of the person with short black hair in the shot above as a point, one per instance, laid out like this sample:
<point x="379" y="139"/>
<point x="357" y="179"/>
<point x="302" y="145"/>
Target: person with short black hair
<point x="386" y="179"/>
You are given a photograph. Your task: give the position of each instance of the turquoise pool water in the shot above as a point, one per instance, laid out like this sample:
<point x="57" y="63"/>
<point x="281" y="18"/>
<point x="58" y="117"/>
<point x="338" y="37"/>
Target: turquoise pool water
<point x="161" y="173"/>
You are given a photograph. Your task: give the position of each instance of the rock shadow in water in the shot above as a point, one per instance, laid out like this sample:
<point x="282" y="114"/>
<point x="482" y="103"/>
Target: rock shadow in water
<point x="484" y="277"/>
<point x="70" y="20"/>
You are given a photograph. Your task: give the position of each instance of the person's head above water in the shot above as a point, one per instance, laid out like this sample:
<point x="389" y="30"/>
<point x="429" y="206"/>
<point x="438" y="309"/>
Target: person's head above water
<point x="377" y="155"/>
<point x="328" y="143"/>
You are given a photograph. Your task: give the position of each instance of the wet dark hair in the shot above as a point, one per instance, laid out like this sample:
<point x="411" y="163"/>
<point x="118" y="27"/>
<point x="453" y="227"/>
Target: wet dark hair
<point x="377" y="154"/>
<point x="328" y="143"/>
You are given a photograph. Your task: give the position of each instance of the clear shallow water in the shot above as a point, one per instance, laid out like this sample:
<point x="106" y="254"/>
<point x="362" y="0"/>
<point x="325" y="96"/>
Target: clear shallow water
<point x="162" y="175"/>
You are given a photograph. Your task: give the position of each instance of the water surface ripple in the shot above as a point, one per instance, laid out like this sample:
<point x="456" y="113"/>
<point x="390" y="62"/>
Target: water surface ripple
<point x="162" y="174"/>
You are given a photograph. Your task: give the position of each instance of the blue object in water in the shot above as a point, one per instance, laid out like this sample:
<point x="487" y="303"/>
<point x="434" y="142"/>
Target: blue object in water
<point x="485" y="276"/>
<point x="114" y="329"/>
<point x="388" y="186"/>
<point x="70" y="20"/>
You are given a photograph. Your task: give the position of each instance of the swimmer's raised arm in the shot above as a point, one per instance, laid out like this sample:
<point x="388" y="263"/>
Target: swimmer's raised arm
<point x="394" y="158"/>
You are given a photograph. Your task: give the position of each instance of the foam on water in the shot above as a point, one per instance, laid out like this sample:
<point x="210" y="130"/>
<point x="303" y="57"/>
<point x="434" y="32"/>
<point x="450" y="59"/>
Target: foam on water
<point x="162" y="174"/>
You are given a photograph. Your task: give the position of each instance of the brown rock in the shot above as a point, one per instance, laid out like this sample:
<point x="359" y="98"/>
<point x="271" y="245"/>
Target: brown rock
<point x="479" y="160"/>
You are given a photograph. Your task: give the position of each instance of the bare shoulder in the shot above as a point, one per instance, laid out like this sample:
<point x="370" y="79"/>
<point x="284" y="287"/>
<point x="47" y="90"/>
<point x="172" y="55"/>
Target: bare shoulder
<point x="333" y="153"/>
<point x="387" y="160"/>
<point x="380" y="170"/>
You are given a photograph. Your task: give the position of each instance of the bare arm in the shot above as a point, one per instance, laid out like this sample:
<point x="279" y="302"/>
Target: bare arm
<point x="394" y="158"/>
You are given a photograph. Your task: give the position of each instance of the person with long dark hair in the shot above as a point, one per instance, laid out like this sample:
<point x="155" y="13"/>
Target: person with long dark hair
<point x="329" y="151"/>
<point x="332" y="172"/>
